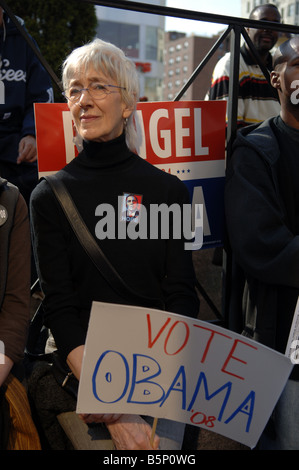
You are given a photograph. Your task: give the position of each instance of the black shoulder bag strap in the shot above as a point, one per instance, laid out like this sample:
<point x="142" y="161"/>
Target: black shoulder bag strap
<point x="92" y="248"/>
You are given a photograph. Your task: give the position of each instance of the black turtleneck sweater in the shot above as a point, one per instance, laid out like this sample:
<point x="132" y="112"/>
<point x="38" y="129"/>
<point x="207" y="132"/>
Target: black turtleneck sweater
<point x="156" y="268"/>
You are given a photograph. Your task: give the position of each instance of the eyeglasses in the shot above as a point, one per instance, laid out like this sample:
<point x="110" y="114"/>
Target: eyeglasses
<point x="96" y="91"/>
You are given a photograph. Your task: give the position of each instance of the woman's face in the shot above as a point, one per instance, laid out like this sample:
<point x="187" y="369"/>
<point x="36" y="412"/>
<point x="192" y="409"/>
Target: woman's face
<point x="98" y="120"/>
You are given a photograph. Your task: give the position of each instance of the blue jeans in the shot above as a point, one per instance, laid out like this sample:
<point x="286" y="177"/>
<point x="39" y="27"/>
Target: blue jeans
<point x="285" y="420"/>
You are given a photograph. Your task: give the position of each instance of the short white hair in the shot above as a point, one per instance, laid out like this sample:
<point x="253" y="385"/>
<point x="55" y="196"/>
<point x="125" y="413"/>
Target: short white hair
<point x="111" y="61"/>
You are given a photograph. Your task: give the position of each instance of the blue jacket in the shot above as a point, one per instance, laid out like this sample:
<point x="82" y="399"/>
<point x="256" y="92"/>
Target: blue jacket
<point x="23" y="81"/>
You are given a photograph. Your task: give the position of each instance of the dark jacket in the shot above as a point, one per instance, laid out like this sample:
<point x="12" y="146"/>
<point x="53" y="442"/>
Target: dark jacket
<point x="24" y="82"/>
<point x="8" y="200"/>
<point x="14" y="271"/>
<point x="262" y="236"/>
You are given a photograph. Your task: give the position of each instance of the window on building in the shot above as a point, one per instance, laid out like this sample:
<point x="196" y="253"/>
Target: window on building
<point x="291" y="9"/>
<point x="297" y="8"/>
<point x="125" y="36"/>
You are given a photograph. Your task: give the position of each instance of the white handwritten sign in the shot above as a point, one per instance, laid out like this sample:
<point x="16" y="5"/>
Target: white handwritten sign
<point x="151" y="362"/>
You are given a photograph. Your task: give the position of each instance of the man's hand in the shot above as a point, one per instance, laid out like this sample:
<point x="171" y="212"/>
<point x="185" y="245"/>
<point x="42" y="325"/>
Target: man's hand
<point x="27" y="149"/>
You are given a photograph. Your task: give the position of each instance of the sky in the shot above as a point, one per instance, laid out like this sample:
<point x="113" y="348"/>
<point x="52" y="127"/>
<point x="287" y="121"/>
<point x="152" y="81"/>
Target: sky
<point x="221" y="7"/>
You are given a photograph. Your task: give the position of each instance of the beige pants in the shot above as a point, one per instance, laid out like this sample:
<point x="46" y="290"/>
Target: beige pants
<point x="97" y="437"/>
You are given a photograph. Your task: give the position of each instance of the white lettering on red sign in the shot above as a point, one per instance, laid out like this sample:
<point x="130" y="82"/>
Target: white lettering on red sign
<point x="161" y="138"/>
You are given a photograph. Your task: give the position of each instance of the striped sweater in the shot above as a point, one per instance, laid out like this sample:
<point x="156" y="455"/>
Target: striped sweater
<point x="257" y="99"/>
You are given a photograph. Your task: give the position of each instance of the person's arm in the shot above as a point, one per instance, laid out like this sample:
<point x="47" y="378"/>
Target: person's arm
<point x="15" y="309"/>
<point x="74" y="360"/>
<point x="128" y="432"/>
<point x="219" y="89"/>
<point x="53" y="242"/>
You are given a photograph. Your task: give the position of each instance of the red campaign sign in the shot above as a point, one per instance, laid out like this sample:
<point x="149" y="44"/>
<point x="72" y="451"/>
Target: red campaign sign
<point x="170" y="133"/>
<point x="50" y="126"/>
<point x="183" y="138"/>
<point x="182" y="131"/>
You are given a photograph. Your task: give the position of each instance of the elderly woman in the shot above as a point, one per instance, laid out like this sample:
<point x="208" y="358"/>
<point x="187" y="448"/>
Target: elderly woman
<point x="101" y="87"/>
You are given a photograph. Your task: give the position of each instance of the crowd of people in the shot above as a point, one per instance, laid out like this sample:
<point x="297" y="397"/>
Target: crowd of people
<point x="261" y="208"/>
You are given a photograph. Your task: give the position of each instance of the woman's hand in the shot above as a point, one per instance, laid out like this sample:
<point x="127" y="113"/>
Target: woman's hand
<point x="131" y="432"/>
<point x="128" y="432"/>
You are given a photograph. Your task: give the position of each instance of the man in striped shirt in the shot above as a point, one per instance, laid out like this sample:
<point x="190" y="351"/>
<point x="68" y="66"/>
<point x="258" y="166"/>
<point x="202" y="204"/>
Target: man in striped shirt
<point x="257" y="100"/>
